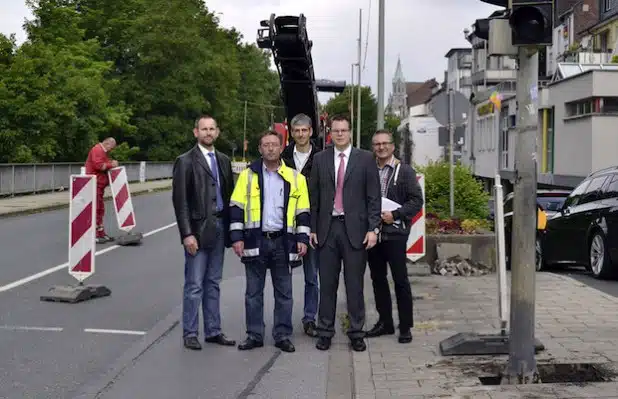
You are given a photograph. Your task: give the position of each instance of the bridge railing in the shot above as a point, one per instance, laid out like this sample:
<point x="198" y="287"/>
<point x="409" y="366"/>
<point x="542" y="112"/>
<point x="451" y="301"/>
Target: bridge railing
<point x="23" y="178"/>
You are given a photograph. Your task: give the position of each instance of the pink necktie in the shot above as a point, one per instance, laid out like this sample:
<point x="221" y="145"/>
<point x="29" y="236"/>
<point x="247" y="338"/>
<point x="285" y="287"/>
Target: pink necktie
<point x="339" y="191"/>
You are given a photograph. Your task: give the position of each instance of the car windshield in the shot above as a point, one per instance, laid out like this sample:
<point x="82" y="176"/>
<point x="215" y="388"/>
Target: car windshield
<point x="552" y="204"/>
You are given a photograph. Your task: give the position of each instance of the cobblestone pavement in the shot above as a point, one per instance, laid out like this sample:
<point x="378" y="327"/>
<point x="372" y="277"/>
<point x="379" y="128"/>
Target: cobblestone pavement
<point x="576" y="323"/>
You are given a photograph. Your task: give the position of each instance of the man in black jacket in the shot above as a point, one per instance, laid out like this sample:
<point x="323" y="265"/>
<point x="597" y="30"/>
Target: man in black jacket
<point x="299" y="155"/>
<point x="398" y="184"/>
<point x="201" y="190"/>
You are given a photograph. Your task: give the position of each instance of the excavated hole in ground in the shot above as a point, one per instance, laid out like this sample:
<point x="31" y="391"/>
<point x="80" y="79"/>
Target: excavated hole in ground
<point x="574" y="373"/>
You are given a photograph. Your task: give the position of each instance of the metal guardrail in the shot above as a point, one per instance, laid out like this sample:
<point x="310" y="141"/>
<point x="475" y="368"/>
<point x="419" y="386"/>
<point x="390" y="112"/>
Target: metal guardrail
<point x="22" y="178"/>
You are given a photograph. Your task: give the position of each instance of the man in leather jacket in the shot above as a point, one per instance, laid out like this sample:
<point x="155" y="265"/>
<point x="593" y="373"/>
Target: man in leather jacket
<point x="201" y="191"/>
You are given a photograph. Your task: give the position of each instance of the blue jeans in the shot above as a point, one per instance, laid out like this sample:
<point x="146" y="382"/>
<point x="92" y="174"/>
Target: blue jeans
<point x="273" y="256"/>
<point x="203" y="273"/>
<point x="312" y="290"/>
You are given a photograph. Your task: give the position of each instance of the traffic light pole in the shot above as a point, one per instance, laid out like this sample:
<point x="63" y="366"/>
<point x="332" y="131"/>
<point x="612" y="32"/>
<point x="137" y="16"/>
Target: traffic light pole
<point x="522" y="368"/>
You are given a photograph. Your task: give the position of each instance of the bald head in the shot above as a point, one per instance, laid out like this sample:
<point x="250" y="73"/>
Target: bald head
<point x="109" y="143"/>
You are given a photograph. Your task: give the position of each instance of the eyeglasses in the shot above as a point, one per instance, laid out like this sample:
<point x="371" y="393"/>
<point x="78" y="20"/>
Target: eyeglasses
<point x="384" y="144"/>
<point x="270" y="145"/>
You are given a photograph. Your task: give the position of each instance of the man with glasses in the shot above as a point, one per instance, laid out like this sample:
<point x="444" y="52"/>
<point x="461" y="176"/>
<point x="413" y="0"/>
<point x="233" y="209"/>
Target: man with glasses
<point x="345" y="222"/>
<point x="397" y="183"/>
<point x="299" y="155"/>
<point x="269" y="229"/>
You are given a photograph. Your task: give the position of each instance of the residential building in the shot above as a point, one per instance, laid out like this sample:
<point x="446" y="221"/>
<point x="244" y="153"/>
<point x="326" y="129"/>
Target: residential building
<point x="457" y="76"/>
<point x="605" y="32"/>
<point x="572" y="41"/>
<point x="577" y="123"/>
<point x="489" y="74"/>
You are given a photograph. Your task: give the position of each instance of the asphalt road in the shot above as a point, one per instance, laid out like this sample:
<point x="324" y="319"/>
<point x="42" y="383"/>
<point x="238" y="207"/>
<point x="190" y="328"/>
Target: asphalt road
<point x="44" y="350"/>
<point x="609" y="287"/>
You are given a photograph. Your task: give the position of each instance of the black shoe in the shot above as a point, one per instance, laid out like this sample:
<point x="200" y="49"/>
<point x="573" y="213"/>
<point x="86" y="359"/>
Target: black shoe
<point x="310" y="329"/>
<point x="220" y="339"/>
<point x="405" y="336"/>
<point x="249" y="344"/>
<point x="380" y="329"/>
<point x="285" y="345"/>
<point x="192" y="343"/>
<point x="358" y="344"/>
<point x="323" y="343"/>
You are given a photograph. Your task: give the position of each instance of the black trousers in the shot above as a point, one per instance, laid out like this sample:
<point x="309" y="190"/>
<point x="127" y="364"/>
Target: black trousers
<point x="337" y="248"/>
<point x="392" y="252"/>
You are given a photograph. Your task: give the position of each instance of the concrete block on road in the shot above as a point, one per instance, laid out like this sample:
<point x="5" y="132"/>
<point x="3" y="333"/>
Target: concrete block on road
<point x="450" y="249"/>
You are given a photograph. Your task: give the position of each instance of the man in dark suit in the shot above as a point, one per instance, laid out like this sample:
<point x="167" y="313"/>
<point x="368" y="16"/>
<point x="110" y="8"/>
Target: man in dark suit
<point x="299" y="155"/>
<point x="345" y="222"/>
<point x="201" y="191"/>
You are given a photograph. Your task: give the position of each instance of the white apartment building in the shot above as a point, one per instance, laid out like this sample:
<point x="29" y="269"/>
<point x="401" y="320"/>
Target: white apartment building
<point x="459" y="70"/>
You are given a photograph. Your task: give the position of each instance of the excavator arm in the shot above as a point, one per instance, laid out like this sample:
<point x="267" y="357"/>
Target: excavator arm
<point x="286" y="37"/>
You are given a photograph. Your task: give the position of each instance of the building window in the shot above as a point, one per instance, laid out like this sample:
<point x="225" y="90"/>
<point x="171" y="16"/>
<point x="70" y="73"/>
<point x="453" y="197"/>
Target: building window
<point x="592" y="106"/>
<point x="548" y="141"/>
<point x="607" y="5"/>
<point x="504" y="150"/>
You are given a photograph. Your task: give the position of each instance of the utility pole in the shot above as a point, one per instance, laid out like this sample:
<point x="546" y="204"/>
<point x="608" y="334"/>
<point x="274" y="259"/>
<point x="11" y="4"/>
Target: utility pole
<point x="380" y="64"/>
<point x="244" y="135"/>
<point x="522" y="367"/>
<point x="358" y="104"/>
<point x="352" y="101"/>
<point x="451" y="155"/>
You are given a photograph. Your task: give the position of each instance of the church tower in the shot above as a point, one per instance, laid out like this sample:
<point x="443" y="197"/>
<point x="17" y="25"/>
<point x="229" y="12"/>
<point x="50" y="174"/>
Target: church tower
<point x="399" y="97"/>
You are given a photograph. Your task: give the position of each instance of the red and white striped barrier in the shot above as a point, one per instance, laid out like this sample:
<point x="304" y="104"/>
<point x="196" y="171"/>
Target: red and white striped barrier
<point x="416" y="240"/>
<point x="121" y="195"/>
<point x="82" y="226"/>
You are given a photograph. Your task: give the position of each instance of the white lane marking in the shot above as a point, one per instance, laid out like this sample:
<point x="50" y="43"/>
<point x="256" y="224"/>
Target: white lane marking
<point x="29" y="328"/>
<point x="104" y="331"/>
<point x="54" y="269"/>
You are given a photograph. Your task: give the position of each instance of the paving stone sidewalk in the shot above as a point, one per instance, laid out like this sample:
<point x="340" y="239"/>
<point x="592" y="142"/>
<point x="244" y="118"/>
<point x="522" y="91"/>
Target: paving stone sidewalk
<point x="23" y="204"/>
<point x="576" y="323"/>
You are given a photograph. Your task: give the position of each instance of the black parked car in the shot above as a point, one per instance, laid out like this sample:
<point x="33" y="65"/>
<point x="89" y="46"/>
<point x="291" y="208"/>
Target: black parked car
<point x="549" y="201"/>
<point x="585" y="229"/>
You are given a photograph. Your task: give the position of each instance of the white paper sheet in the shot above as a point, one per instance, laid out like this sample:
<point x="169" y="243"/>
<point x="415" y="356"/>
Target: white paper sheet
<point x="389" y="205"/>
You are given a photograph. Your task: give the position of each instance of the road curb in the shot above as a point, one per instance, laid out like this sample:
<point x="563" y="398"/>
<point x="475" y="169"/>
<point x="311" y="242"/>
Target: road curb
<point x="95" y="388"/>
<point x="56" y="206"/>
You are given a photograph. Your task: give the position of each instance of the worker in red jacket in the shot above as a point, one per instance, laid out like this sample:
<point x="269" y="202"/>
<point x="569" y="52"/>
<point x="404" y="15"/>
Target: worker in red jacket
<point x="98" y="164"/>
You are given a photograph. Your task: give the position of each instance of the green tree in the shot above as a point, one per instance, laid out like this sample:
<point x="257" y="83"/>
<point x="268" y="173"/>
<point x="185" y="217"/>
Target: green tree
<point x="340" y="104"/>
<point x="138" y="70"/>
<point x="471" y="200"/>
<point x="53" y="93"/>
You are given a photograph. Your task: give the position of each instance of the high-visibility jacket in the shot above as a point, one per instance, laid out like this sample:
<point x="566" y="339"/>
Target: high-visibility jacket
<point x="246" y="211"/>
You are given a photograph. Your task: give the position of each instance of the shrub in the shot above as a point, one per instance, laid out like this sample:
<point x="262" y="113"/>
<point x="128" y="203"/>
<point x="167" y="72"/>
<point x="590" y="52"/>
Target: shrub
<point x="471" y="200"/>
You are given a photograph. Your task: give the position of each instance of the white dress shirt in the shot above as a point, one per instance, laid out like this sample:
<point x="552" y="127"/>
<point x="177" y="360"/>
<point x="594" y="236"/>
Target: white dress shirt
<point x="337" y="160"/>
<point x="209" y="159"/>
<point x="300" y="158"/>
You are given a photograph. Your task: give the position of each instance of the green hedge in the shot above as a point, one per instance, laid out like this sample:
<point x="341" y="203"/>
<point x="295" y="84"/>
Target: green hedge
<point x="471" y="199"/>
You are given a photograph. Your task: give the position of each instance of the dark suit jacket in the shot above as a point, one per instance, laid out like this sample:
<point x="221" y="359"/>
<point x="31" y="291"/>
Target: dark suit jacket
<point x="362" y="200"/>
<point x="192" y="192"/>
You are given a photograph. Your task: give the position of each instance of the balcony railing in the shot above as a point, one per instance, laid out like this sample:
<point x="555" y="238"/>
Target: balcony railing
<point x="493" y="75"/>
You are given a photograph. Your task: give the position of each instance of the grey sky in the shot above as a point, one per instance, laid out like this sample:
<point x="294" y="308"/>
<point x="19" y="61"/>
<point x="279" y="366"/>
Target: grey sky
<point x="419" y="31"/>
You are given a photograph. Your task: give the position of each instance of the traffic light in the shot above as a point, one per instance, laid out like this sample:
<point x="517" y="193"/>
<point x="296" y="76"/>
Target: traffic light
<point x="532" y="22"/>
<point x="481" y="28"/>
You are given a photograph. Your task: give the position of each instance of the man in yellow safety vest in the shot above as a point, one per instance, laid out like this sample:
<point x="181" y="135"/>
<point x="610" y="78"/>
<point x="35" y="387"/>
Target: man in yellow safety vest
<point x="269" y="229"/>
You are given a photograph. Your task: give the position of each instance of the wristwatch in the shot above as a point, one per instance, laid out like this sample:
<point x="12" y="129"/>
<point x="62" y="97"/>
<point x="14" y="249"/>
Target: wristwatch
<point x="376" y="230"/>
